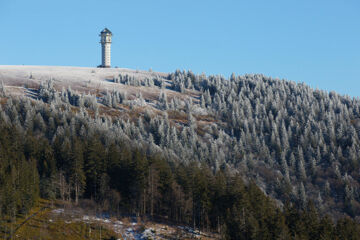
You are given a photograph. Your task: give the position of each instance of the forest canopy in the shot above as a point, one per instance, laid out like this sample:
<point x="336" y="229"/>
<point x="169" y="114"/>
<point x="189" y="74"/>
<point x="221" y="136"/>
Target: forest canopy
<point x="200" y="160"/>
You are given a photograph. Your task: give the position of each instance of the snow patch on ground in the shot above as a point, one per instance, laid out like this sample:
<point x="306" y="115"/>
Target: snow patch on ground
<point x="137" y="230"/>
<point x="58" y="211"/>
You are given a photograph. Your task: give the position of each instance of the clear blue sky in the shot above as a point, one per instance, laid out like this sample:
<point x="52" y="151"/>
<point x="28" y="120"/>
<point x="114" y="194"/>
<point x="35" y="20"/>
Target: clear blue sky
<point x="311" y="41"/>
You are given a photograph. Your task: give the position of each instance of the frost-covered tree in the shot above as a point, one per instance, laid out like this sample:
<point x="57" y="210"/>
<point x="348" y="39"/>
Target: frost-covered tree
<point x="261" y="128"/>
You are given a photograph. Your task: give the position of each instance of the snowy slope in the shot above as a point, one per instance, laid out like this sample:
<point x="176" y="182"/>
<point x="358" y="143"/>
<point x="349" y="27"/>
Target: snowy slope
<point x="83" y="79"/>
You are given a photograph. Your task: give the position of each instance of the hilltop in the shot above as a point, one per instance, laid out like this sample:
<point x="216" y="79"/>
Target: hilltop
<point x="297" y="144"/>
<point x="83" y="79"/>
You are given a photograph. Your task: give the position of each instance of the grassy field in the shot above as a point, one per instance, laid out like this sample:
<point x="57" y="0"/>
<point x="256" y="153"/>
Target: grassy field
<point x="62" y="220"/>
<point x="41" y="223"/>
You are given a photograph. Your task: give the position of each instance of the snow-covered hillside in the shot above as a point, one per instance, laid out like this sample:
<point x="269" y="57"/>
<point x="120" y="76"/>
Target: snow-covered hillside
<point x="70" y="74"/>
<point x="295" y="142"/>
<point x="83" y="79"/>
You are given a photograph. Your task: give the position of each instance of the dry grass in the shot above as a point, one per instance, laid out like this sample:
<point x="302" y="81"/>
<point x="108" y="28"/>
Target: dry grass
<point x="43" y="222"/>
<point x="177" y="116"/>
<point x="43" y="225"/>
<point x="205" y="118"/>
<point x="3" y="101"/>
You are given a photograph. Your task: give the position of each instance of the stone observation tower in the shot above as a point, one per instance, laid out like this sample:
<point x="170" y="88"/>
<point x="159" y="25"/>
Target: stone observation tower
<point x="106" y="48"/>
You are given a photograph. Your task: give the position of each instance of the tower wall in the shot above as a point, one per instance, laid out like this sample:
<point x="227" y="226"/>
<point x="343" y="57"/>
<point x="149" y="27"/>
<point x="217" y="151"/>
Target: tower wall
<point x="105" y="48"/>
<point x="106" y="55"/>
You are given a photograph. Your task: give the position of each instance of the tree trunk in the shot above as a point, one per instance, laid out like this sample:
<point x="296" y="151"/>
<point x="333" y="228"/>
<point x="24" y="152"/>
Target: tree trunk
<point x="152" y="193"/>
<point x="76" y="193"/>
<point x="61" y="186"/>
<point x="144" y="204"/>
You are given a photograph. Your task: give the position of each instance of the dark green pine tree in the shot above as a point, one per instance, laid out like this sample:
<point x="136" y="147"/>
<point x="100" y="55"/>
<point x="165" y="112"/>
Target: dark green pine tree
<point x="94" y="167"/>
<point x="347" y="229"/>
<point x="139" y="174"/>
<point x="77" y="175"/>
